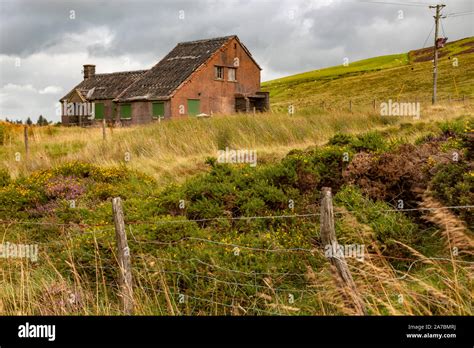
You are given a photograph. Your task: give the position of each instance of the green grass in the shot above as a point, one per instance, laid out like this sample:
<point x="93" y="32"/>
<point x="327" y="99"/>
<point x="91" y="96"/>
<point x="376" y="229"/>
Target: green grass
<point x="340" y="71"/>
<point x="380" y="78"/>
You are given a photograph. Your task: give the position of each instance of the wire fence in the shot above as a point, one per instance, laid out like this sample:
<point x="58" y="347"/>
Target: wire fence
<point x="185" y="277"/>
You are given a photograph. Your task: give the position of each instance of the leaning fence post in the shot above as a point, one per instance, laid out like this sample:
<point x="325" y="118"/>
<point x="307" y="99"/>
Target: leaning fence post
<point x="126" y="288"/>
<point x="328" y="237"/>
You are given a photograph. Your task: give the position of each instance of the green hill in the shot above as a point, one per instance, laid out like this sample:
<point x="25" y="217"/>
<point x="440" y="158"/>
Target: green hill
<point x="405" y="76"/>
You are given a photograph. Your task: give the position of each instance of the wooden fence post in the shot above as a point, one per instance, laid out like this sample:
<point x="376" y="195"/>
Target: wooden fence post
<point x="375" y="107"/>
<point x="103" y="129"/>
<point x="350" y="105"/>
<point x="126" y="288"/>
<point x="328" y="237"/>
<point x="27" y="145"/>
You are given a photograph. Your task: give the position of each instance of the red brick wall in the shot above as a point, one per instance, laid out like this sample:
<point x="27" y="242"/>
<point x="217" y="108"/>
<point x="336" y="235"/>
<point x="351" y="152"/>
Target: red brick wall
<point x="215" y="95"/>
<point x="142" y="112"/>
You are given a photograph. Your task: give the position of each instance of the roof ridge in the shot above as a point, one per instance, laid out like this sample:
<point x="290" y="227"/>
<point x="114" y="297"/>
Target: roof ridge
<point x="206" y="40"/>
<point x="123" y="72"/>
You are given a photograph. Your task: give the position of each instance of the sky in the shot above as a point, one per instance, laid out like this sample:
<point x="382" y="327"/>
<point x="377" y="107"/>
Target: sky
<point x="44" y="44"/>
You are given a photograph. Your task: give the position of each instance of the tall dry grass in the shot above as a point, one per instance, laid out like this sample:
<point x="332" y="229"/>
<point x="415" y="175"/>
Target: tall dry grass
<point x="172" y="150"/>
<point x="439" y="288"/>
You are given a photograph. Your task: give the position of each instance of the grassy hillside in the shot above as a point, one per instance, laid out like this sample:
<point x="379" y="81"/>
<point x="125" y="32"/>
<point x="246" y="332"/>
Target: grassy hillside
<point x="404" y="77"/>
<point x="209" y="238"/>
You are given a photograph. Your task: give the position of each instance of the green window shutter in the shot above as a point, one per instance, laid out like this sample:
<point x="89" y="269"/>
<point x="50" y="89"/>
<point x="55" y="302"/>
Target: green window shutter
<point x="126" y="111"/>
<point x="158" y="109"/>
<point x="99" y="111"/>
<point x="193" y="107"/>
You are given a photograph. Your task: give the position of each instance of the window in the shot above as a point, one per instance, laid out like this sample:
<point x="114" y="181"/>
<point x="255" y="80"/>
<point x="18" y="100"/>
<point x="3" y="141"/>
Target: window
<point x="126" y="111"/>
<point x="231" y="74"/>
<point x="193" y="107"/>
<point x="99" y="111"/>
<point x="219" y="72"/>
<point x="158" y="109"/>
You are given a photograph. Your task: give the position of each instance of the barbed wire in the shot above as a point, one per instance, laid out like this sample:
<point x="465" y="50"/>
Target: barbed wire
<point x="239" y="246"/>
<point x="232" y="282"/>
<point x="253" y="274"/>
<point x="208" y="300"/>
<point x="225" y="218"/>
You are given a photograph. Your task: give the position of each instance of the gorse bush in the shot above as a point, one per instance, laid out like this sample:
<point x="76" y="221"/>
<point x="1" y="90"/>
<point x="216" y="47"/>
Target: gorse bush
<point x="242" y="190"/>
<point x="47" y="192"/>
<point x="453" y="184"/>
<point x="372" y="141"/>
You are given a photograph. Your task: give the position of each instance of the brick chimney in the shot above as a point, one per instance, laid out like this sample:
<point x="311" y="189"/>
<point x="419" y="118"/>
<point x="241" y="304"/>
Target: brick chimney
<point x="89" y="71"/>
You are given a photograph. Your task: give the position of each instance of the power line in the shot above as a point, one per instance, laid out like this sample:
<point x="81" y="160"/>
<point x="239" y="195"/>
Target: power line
<point x="428" y="37"/>
<point x="442" y="27"/>
<point x="458" y="14"/>
<point x="415" y="4"/>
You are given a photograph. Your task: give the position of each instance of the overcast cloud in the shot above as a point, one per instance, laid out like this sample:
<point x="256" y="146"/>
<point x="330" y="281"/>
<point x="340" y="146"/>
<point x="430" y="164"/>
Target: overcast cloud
<point x="43" y="44"/>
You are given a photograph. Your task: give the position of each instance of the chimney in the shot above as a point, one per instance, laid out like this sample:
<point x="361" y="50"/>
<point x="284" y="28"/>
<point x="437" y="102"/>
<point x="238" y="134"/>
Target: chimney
<point x="89" y="71"/>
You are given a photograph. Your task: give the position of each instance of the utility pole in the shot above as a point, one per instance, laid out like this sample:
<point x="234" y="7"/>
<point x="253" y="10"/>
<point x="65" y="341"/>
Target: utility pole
<point x="437" y="17"/>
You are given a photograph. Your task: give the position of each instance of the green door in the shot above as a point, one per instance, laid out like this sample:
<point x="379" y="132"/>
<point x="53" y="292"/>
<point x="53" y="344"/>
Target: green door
<point x="99" y="111"/>
<point x="126" y="111"/>
<point x="158" y="109"/>
<point x="193" y="107"/>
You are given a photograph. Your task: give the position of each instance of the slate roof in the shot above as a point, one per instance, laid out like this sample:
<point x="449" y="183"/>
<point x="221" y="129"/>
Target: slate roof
<point x="106" y="86"/>
<point x="160" y="81"/>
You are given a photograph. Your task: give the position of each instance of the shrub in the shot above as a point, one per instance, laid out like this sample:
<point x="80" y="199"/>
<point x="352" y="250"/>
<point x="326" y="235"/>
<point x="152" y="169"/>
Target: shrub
<point x="452" y="128"/>
<point x="370" y="141"/>
<point x="64" y="187"/>
<point x="388" y="225"/>
<point x="341" y="139"/>
<point x="453" y="184"/>
<point x="4" y="177"/>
